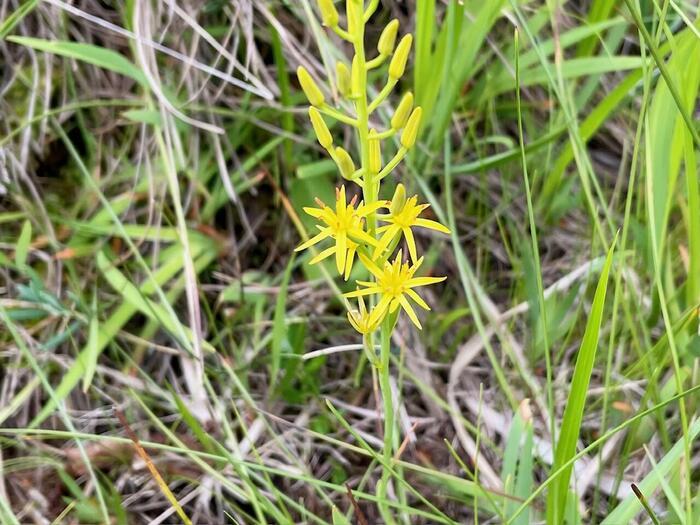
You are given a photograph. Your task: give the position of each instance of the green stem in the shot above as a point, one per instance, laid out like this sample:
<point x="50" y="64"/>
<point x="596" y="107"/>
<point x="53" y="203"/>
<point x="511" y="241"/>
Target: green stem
<point x="389" y="423"/>
<point x="370" y="189"/>
<point x="382" y="95"/>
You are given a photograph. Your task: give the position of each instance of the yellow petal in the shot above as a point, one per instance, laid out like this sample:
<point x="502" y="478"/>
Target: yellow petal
<point x="412" y="271"/>
<point x="369" y="264"/>
<point x="314" y="212"/>
<point x="385" y="240"/>
<point x="363" y="308"/>
<point x="341" y="247"/>
<point x="433" y="225"/>
<point x="363" y="236"/>
<point x="325" y="253"/>
<point x="317" y="238"/>
<point x="353" y="322"/>
<point x="394" y="305"/>
<point x="408" y="235"/>
<point x="366" y="291"/>
<point x="380" y="310"/>
<point x="366" y="209"/>
<point x="409" y="310"/>
<point x="417" y="298"/>
<point x="423" y="281"/>
<point x="348" y="262"/>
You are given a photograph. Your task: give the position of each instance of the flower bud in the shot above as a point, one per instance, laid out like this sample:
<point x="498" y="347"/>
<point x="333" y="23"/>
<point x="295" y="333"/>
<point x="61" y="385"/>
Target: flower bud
<point x="387" y="40"/>
<point x="328" y="13"/>
<point x="322" y="132"/>
<point x="398" y="200"/>
<point x="410" y="132"/>
<point x="403" y="110"/>
<point x="345" y="163"/>
<point x="397" y="66"/>
<point x="356" y="80"/>
<point x="375" y="152"/>
<point x="343" y="76"/>
<point x="311" y="90"/>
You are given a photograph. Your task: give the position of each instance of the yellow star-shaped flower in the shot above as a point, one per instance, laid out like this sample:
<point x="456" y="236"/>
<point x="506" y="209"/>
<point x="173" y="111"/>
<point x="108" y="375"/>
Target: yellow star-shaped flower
<point x="395" y="284"/>
<point x="345" y="226"/>
<point x="402" y="217"/>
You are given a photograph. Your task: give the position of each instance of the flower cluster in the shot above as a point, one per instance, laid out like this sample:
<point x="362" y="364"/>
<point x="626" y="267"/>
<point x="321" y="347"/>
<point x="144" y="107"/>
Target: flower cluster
<point x="371" y="230"/>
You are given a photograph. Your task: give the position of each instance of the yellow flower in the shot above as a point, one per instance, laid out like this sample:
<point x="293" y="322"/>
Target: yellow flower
<point x="362" y="320"/>
<point x="395" y="284"/>
<point x="345" y="226"/>
<point x="401" y="219"/>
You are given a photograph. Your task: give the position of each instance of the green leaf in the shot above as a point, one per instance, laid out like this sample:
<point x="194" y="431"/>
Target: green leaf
<point x="575" y="404"/>
<point x="338" y="517"/>
<point x="92" y="349"/>
<point x="22" y="248"/>
<point x="91" y="54"/>
<point x="279" y="327"/>
<point x="572" y="68"/>
<point x="145" y="116"/>
<point x="667" y="132"/>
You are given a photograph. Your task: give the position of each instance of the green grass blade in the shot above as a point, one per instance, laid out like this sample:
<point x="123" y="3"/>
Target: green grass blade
<point x="91" y="54"/>
<point x="16" y="16"/>
<point x="667" y="130"/>
<point x="22" y="246"/>
<point x="279" y="326"/>
<point x="631" y="506"/>
<point x="573" y="413"/>
<point x="92" y="348"/>
<point x="598" y="11"/>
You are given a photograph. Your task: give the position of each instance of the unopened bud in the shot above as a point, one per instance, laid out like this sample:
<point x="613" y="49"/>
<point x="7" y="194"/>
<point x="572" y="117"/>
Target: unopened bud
<point x="311" y="90"/>
<point x="343" y="75"/>
<point x="345" y="163"/>
<point x="398" y="200"/>
<point x="403" y="111"/>
<point x="410" y="132"/>
<point x="322" y="132"/>
<point x="356" y="78"/>
<point x="398" y="61"/>
<point x="387" y="40"/>
<point x="375" y="153"/>
<point x="329" y="14"/>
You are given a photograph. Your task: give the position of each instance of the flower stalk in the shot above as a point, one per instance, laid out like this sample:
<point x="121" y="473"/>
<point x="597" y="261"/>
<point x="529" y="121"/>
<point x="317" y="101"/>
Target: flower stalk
<point x="360" y="233"/>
